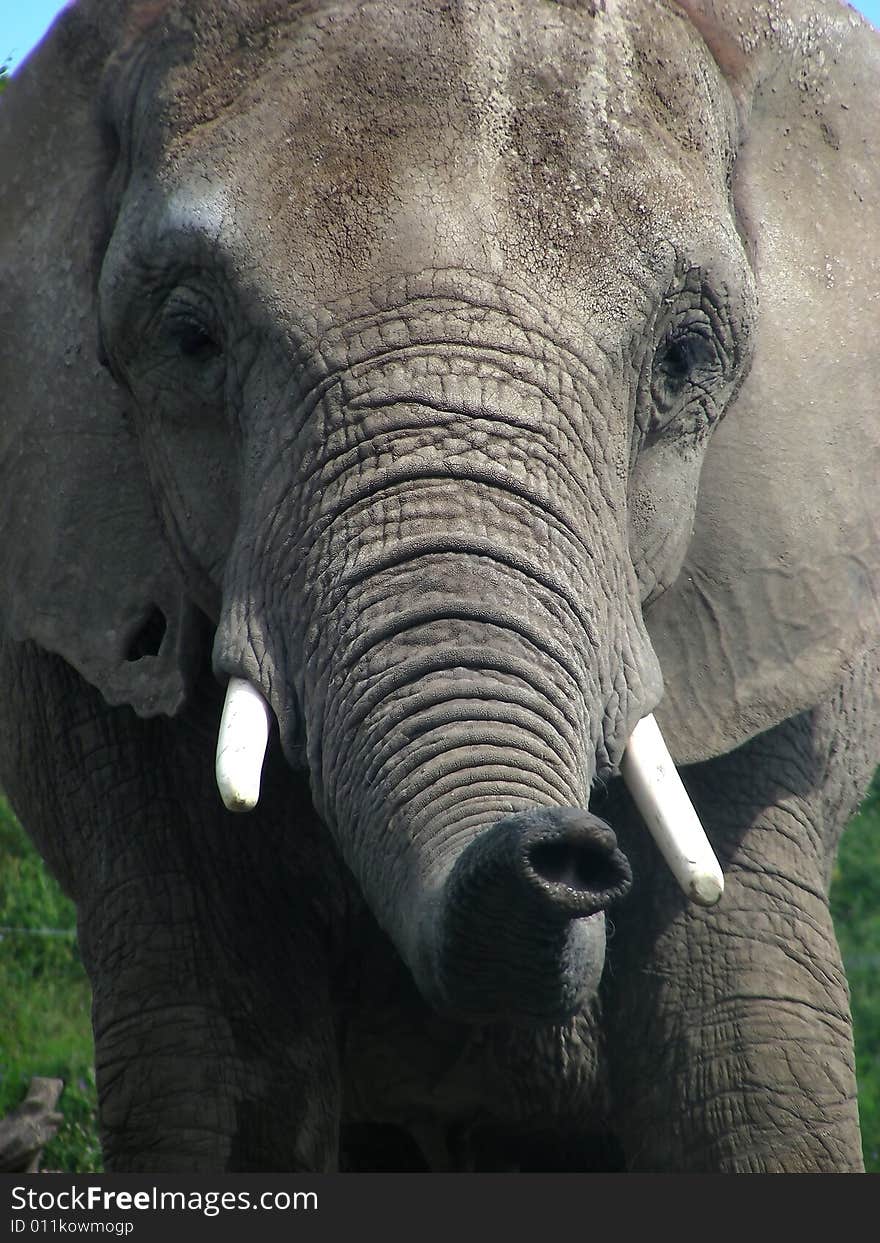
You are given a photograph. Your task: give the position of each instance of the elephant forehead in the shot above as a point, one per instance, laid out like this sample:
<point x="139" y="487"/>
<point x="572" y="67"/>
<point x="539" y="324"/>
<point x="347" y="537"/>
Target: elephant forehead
<point x="355" y="138"/>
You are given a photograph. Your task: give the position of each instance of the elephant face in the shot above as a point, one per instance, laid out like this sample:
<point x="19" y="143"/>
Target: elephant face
<point x="600" y="258"/>
<point x="424" y="318"/>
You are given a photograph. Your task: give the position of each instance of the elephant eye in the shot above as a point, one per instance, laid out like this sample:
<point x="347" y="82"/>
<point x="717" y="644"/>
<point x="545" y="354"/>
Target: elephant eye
<point x="189" y="343"/>
<point x="193" y="339"/>
<point x="189" y="327"/>
<point x="675" y="365"/>
<point x="686" y="365"/>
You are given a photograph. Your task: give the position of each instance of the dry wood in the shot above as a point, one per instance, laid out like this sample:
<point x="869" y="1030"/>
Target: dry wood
<point x="24" y="1132"/>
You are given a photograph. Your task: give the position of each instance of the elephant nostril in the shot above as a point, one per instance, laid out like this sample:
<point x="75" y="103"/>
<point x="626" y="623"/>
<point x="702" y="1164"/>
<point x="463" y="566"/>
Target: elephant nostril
<point x="574" y="857"/>
<point x="148" y="636"/>
<point x="575" y="864"/>
<point x="511" y="929"/>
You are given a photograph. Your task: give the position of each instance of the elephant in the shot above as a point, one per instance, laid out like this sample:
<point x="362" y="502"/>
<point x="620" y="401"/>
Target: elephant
<point x="444" y="397"/>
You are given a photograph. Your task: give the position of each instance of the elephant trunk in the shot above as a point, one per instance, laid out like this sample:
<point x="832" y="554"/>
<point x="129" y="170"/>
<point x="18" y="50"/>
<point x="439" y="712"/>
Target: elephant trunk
<point x="465" y="661"/>
<point x="454" y="759"/>
<point x="457" y="693"/>
<point x="518" y="926"/>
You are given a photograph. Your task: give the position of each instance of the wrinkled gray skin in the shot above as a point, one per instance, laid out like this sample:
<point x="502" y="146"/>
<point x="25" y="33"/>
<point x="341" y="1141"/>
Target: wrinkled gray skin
<point x="377" y="353"/>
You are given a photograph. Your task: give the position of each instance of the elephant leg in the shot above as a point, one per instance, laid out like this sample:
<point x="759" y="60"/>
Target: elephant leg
<point x="199" y="1068"/>
<point x="730" y="1039"/>
<point x="205" y="936"/>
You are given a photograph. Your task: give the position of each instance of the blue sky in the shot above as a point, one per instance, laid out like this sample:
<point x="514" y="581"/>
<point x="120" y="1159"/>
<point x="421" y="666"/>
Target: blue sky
<point x="24" y="22"/>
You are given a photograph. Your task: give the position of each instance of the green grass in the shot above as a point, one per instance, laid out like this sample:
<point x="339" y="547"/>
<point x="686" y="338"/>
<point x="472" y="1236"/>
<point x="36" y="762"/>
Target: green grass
<point x="46" y="1030"/>
<point x="855" y="905"/>
<point x="46" y="1000"/>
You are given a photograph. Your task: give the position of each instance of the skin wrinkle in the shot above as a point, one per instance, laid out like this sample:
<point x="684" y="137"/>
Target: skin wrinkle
<point x="407" y="473"/>
<point x="400" y="526"/>
<point x="490" y="710"/>
<point x="349" y="363"/>
<point x="578" y="171"/>
<point x="517" y="309"/>
<point x="418" y="669"/>
<point x="482" y="549"/>
<point x="780" y="941"/>
<point x="770" y="999"/>
<point x="836" y="1025"/>
<point x="521" y="673"/>
<point x="492" y="416"/>
<point x="433" y="781"/>
<point x="479" y="658"/>
<point x="389" y="357"/>
<point x="727" y="1096"/>
<point x="422" y="754"/>
<point x="556" y="605"/>
<point x="528" y="456"/>
<point x="407" y="623"/>
<point x="540" y="741"/>
<point x="385" y="578"/>
<point x="122" y="943"/>
<point x="756" y="1086"/>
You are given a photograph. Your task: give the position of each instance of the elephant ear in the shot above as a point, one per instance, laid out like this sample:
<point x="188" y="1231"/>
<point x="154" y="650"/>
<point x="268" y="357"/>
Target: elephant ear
<point x="83" y="568"/>
<point x="780" y="587"/>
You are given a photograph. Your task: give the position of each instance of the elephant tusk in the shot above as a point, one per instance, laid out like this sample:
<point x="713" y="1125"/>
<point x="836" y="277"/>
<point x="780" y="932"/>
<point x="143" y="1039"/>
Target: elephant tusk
<point x="653" y="781"/>
<point x="241" y="745"/>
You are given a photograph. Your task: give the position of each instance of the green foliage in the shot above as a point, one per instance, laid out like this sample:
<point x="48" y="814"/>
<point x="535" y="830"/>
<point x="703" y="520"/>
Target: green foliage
<point x="855" y="905"/>
<point x="46" y="1027"/>
<point x="4" y="76"/>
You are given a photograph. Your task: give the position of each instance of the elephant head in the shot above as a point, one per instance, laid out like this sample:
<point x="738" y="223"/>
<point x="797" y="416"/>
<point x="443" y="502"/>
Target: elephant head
<point x="490" y="375"/>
